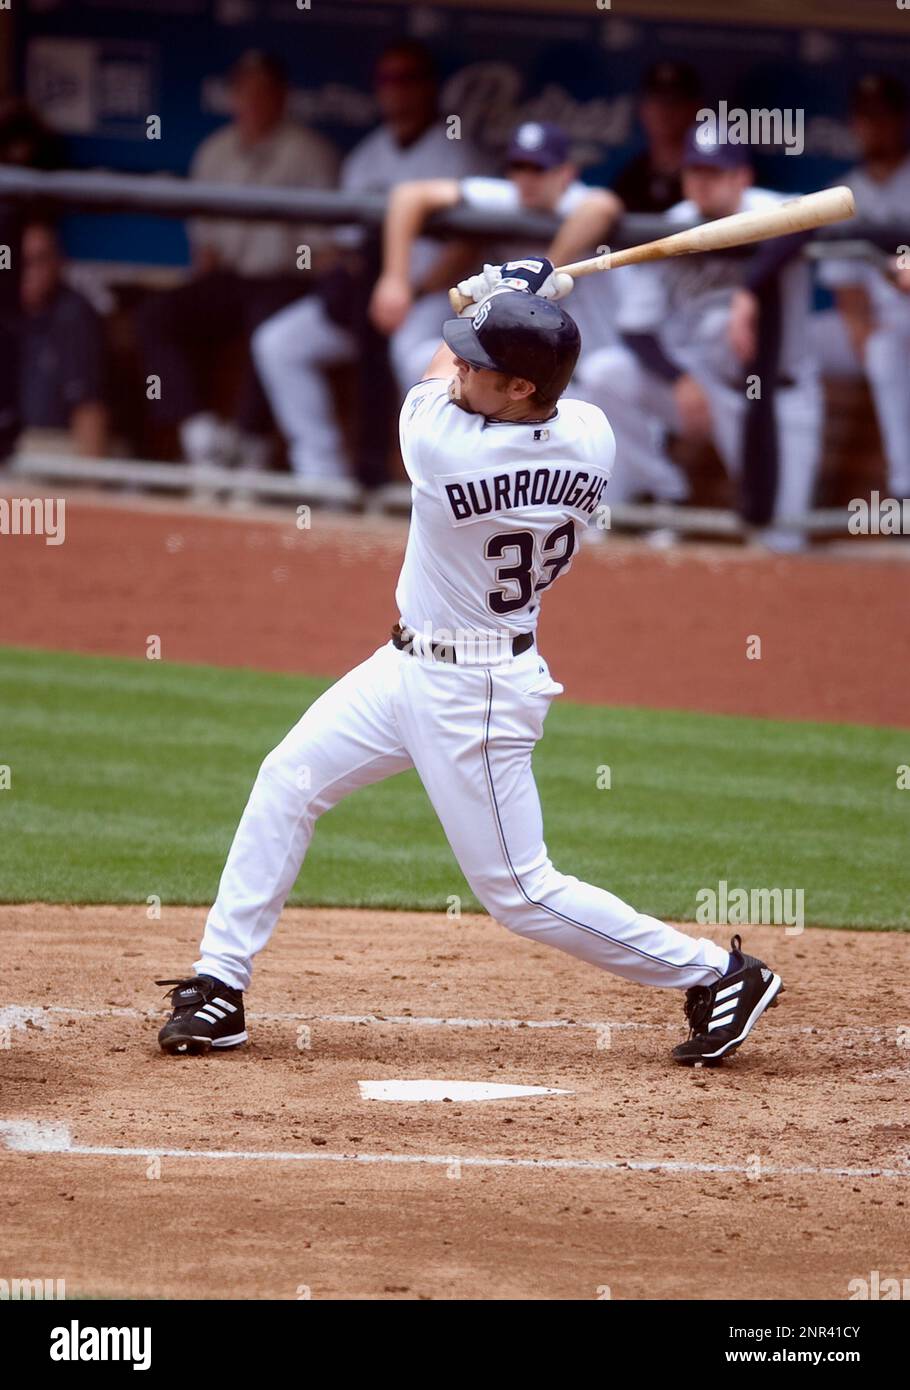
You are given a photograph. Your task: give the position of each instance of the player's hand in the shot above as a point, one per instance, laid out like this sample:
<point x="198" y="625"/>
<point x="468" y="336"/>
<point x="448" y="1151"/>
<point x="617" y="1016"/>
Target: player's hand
<point x="477" y="287"/>
<point x="693" y="406"/>
<point x="390" y="303"/>
<point x="742" y="326"/>
<point x="536" y="276"/>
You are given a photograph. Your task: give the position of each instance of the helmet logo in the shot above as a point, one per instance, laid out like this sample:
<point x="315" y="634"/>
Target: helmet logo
<point x="483" y="310"/>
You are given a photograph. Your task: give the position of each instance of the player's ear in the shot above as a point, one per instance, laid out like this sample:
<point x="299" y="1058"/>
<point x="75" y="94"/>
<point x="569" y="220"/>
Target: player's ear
<point x="520" y="389"/>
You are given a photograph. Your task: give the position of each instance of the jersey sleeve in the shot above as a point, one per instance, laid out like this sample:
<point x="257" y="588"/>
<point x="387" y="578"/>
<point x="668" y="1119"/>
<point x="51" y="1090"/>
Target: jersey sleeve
<point x="436" y="435"/>
<point x="420" y="424"/>
<point x="841" y="275"/>
<point x="491" y="195"/>
<point x="354" y="176"/>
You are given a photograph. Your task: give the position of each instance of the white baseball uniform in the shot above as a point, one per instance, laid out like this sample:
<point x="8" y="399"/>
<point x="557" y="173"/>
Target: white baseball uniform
<point x="293" y="348"/>
<point x="887" y="359"/>
<point x="685" y="303"/>
<point x="496" y="508"/>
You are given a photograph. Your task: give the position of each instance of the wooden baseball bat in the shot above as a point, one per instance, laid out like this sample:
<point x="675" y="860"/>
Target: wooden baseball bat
<point x="795" y="215"/>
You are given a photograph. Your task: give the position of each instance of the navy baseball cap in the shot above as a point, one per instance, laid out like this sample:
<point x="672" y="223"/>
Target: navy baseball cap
<point x="257" y="61"/>
<point x="878" y="92"/>
<point x="540" y="143"/>
<point x="671" y="80"/>
<point x="703" y="150"/>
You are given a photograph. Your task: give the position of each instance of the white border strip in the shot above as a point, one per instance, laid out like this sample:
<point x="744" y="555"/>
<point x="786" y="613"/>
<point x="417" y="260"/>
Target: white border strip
<point x="15" y="1015"/>
<point x="26" y="1136"/>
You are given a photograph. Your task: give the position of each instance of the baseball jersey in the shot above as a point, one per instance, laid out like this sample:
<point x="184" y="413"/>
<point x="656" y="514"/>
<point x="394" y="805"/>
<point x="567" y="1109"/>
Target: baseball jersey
<point x="290" y="156"/>
<point x="496" y="506"/>
<point x="62" y="360"/>
<point x="886" y="201"/>
<point x="684" y="300"/>
<point x="593" y="302"/>
<point x="378" y="163"/>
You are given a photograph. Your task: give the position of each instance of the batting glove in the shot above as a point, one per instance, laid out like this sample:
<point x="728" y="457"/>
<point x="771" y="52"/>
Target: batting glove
<point x="537" y="275"/>
<point x="534" y="275"/>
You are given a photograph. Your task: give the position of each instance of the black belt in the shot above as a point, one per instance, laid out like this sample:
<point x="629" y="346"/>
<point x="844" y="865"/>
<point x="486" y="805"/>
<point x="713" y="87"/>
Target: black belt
<point x="445" y="651"/>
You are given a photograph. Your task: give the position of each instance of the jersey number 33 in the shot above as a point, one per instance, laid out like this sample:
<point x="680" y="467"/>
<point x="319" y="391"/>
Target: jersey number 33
<point x="525" y="573"/>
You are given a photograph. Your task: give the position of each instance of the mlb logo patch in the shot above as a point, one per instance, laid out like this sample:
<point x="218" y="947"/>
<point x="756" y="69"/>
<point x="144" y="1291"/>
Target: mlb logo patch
<point x="541" y="435"/>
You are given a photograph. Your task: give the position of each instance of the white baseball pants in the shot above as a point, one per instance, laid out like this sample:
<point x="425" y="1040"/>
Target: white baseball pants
<point x="612" y="378"/>
<point x="292" y="351"/>
<point x="469" y="732"/>
<point x="634" y="399"/>
<point x="888" y="370"/>
<point x="887" y="367"/>
<point x="411" y="347"/>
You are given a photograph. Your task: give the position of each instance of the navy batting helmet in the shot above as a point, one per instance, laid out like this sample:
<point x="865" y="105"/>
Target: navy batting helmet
<point x="519" y="334"/>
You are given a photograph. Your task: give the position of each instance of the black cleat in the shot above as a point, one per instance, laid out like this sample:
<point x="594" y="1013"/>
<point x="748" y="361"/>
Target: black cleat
<point x="722" y="1016"/>
<point x="206" y="1014"/>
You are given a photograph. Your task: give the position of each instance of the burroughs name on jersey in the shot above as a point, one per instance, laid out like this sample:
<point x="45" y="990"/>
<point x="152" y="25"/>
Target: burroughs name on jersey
<point x="469" y="496"/>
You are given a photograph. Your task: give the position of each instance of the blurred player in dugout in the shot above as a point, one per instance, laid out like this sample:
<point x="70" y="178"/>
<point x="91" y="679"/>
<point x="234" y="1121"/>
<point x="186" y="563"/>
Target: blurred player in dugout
<point x="693" y="329"/>
<point x="539" y="176"/>
<point x="62" y="375"/>
<point x="293" y="349"/>
<point x="668" y="103"/>
<point x="869" y="329"/>
<point x="242" y="271"/>
<point x="409" y="302"/>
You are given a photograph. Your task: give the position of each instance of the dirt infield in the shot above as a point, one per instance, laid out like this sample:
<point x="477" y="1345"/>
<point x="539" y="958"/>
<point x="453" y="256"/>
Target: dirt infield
<point x="401" y="1200"/>
<point x="630" y="626"/>
<point x="785" y="1174"/>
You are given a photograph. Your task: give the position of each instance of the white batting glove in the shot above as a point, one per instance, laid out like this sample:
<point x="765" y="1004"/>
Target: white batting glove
<point x="556" y="285"/>
<point x="477" y="287"/>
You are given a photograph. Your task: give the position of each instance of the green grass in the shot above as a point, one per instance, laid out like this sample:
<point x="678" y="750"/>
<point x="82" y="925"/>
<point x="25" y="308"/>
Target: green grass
<point x="127" y="779"/>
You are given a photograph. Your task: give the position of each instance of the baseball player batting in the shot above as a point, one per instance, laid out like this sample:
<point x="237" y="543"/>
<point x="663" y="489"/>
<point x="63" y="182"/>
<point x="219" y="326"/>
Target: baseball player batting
<point x="503" y="475"/>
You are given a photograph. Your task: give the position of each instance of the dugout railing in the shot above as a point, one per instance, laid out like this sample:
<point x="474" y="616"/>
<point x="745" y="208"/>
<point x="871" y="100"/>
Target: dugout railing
<point x="69" y="191"/>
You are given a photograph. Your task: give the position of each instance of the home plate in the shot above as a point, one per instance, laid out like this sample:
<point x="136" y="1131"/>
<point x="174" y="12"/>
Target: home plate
<point x="450" y="1090"/>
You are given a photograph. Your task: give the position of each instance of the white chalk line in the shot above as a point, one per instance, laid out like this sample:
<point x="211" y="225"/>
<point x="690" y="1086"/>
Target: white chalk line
<point x="26" y="1136"/>
<point x="15" y="1015"/>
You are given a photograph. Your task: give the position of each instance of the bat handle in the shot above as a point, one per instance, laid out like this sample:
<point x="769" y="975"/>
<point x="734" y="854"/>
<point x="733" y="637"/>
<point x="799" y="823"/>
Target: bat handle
<point x="457" y="300"/>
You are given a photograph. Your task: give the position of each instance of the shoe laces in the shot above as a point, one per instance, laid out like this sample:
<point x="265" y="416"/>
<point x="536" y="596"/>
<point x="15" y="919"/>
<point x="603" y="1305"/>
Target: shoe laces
<point x="699" y="998"/>
<point x="697" y="1008"/>
<point x="190" y="981"/>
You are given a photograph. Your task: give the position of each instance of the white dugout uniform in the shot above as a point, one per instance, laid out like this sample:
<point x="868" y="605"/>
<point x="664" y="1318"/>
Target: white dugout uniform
<point x="496" y="506"/>
<point x="685" y="302"/>
<point x="594" y="299"/>
<point x="887" y="359"/>
<point x="294" y="347"/>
